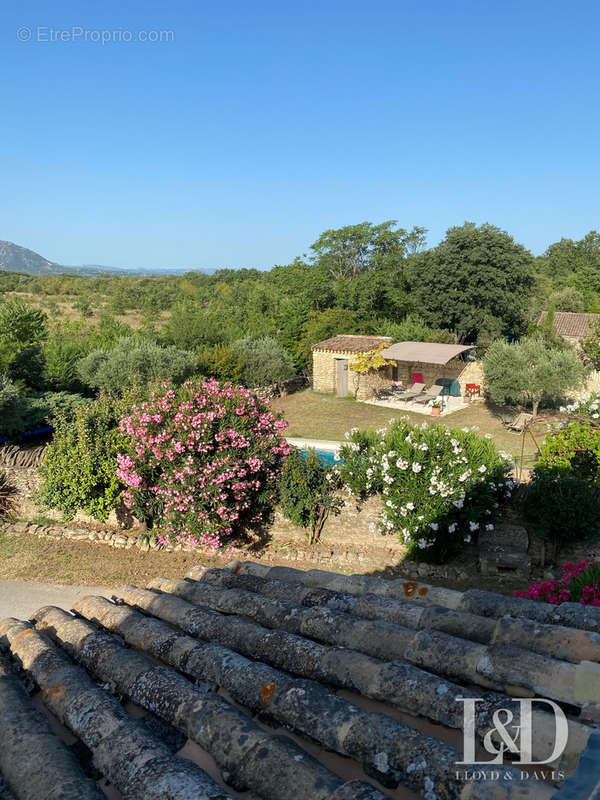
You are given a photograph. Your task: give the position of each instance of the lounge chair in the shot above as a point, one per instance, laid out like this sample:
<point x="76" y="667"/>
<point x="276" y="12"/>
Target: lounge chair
<point x="429" y="395"/>
<point x="520" y="422"/>
<point x="415" y="390"/>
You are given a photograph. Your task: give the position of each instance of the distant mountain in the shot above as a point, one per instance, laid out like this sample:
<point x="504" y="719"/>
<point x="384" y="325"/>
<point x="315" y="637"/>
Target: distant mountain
<point x="19" y="259"/>
<point x="14" y="258"/>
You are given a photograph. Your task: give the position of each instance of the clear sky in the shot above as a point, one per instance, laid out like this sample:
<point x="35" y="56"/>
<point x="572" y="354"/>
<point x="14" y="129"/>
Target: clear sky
<point x="263" y="122"/>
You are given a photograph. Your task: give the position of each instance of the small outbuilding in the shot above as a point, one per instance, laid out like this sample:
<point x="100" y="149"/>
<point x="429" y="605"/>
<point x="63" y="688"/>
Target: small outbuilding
<point x="428" y="362"/>
<point x="332" y="358"/>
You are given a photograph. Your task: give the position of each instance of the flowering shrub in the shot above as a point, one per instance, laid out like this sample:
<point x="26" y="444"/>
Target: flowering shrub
<point x="202" y="461"/>
<point x="359" y="468"/>
<point x="561" y="508"/>
<point x="574" y="450"/>
<point x="440" y="486"/>
<point x="586" y="406"/>
<point x="579" y="583"/>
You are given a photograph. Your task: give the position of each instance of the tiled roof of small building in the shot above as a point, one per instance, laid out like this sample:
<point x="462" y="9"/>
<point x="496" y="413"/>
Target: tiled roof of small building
<point x="352" y="343"/>
<point x="569" y="323"/>
<point x="278" y="684"/>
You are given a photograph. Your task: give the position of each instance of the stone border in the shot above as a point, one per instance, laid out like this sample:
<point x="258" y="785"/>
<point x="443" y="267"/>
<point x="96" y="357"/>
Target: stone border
<point x="123" y="541"/>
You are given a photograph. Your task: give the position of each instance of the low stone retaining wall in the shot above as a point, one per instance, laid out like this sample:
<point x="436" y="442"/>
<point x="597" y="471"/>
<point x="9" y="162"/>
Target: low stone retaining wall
<point x="282" y="388"/>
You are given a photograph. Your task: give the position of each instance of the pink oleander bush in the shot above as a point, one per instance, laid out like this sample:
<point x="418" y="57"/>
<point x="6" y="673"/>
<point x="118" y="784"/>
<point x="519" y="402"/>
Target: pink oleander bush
<point x="578" y="583"/>
<point x="203" y="460"/>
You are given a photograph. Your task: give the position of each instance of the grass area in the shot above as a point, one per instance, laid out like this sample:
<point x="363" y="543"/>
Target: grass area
<point x="25" y="557"/>
<point x="323" y="416"/>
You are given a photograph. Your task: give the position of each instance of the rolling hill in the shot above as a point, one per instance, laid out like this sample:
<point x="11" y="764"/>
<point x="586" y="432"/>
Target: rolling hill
<point x="14" y="258"/>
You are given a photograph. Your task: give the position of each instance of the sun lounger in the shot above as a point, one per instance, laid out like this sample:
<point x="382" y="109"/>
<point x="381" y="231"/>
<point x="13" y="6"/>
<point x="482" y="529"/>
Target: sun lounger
<point x="520" y="422"/>
<point x="415" y="390"/>
<point x="428" y="396"/>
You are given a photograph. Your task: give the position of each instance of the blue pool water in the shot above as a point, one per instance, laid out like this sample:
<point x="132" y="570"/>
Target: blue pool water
<point x="326" y="457"/>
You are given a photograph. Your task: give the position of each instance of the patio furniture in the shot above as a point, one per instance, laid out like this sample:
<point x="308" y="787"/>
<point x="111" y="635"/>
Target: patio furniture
<point x="384" y="393"/>
<point x="450" y="387"/>
<point x="428" y="396"/>
<point x="414" y="391"/>
<point x="520" y="422"/>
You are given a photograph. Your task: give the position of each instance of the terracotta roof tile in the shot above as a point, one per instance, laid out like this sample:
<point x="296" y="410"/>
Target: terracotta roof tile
<point x="569" y="323"/>
<point x="247" y="664"/>
<point x="351" y="343"/>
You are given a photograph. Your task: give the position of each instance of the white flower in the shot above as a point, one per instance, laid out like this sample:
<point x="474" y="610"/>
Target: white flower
<point x="402" y="464"/>
<point x="423" y="543"/>
<point x="488" y="436"/>
<point x="423" y="447"/>
<point x="416" y="467"/>
<point x="473" y="526"/>
<point x="434" y="526"/>
<point x="489" y="527"/>
<point x="482" y="469"/>
<point x="420" y="517"/>
<point x="372" y="527"/>
<point x="467" y="539"/>
<point x="452" y="528"/>
<point x="458" y="503"/>
<point x="410" y="506"/>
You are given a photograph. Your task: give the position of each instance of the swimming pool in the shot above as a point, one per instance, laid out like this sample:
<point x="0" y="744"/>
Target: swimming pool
<point x="327" y="457"/>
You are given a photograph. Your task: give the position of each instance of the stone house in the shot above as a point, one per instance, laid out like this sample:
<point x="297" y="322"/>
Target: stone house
<point x="332" y="358"/>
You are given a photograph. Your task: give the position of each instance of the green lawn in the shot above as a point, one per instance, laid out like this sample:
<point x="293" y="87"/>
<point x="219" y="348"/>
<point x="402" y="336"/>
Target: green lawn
<point x="324" y="416"/>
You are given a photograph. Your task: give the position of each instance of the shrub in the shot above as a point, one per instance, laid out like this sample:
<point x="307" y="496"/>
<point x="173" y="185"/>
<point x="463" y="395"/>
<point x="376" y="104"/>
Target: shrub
<point x="135" y="362"/>
<point x="439" y="486"/>
<point x="22" y="329"/>
<point x="573" y="451"/>
<point x="561" y="508"/>
<point x="307" y="492"/>
<point x="79" y="469"/>
<point x="13" y="408"/>
<point x="20" y="413"/>
<point x="359" y="468"/>
<point x="201" y="460"/>
<point x="62" y="352"/>
<point x="264" y="361"/>
<point x="221" y="362"/>
<point x="579" y="583"/>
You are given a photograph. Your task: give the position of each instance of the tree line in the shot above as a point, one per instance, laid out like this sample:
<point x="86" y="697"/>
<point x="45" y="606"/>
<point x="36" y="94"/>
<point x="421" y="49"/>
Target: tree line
<point x="477" y="285"/>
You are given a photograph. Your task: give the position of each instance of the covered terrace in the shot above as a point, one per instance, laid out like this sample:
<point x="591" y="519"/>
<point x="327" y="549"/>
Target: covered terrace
<point x="426" y="375"/>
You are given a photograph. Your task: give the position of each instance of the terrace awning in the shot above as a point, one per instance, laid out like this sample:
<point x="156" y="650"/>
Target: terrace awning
<point x="424" y="352"/>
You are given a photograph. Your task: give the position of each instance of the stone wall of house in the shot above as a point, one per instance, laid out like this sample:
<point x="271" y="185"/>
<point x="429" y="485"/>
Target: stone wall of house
<point x="324" y="371"/>
<point x="472" y="372"/>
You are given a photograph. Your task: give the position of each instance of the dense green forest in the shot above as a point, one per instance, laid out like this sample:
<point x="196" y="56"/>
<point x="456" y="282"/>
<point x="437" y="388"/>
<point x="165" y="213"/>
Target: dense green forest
<point x="477" y="285"/>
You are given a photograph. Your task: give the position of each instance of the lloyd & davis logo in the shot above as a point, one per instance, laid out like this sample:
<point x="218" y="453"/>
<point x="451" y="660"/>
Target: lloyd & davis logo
<point x="511" y="737"/>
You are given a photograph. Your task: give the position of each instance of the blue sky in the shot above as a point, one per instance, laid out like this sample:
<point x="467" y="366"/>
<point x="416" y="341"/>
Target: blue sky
<point x="261" y="124"/>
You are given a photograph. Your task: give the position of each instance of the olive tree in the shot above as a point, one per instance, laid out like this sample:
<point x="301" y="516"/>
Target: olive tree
<point x="529" y="370"/>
